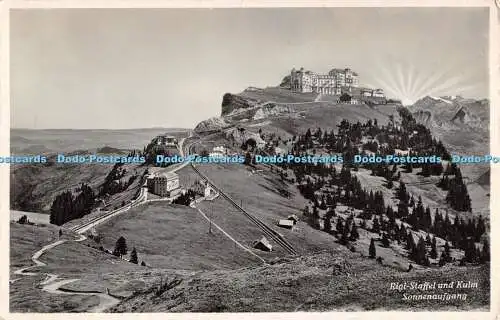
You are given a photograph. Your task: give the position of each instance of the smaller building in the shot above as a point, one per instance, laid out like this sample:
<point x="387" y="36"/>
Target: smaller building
<point x="164" y="184"/>
<point x="366" y="93"/>
<point x="219" y="151"/>
<point x="208" y="191"/>
<point x="379" y="93"/>
<point x="279" y="151"/>
<point x="288" y="224"/>
<point x="166" y="140"/>
<point x="262" y="244"/>
<point x="293" y="218"/>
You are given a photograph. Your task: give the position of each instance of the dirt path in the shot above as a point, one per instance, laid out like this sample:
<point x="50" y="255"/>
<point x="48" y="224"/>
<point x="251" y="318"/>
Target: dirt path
<point x="52" y="286"/>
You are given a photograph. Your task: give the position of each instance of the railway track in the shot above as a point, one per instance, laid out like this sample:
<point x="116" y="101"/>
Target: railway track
<point x="272" y="234"/>
<point x="139" y="200"/>
<point x="84" y="226"/>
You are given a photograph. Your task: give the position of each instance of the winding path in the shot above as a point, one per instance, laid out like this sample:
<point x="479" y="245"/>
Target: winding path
<point x="51" y="285"/>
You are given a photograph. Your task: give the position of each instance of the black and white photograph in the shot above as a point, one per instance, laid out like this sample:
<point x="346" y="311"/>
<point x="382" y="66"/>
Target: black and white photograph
<point x="242" y="160"/>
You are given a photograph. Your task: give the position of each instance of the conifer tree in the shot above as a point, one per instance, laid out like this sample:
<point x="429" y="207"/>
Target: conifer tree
<point x="402" y="195"/>
<point x="133" y="256"/>
<point x="314" y="218"/>
<point x="410" y="242"/>
<point x="363" y="224"/>
<point x="385" y="240"/>
<point x="433" y="253"/>
<point x="485" y="252"/>
<point x="447" y="248"/>
<point x="443" y="259"/>
<point x="376" y="225"/>
<point x="354" y="233"/>
<point x="120" y="247"/>
<point x="327" y="224"/>
<point x="345" y="239"/>
<point x="372" y="251"/>
<point x="420" y="254"/>
<point x="402" y="210"/>
<point x="340" y="226"/>
<point x="470" y="251"/>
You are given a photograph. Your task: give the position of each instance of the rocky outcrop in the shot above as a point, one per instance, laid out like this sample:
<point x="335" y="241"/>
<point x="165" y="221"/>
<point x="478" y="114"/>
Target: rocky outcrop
<point x="241" y="136"/>
<point x="269" y="110"/>
<point x="422" y="116"/>
<point x="450" y="112"/>
<point x="212" y="124"/>
<point x="462" y="116"/>
<point x="285" y="83"/>
<point x="231" y="102"/>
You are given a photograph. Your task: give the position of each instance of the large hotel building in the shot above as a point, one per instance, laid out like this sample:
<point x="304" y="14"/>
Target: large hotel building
<point x="331" y="83"/>
<point x="336" y="82"/>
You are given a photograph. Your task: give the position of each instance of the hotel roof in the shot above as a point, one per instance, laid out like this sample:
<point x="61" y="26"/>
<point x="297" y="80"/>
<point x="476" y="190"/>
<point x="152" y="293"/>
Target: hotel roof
<point x="168" y="175"/>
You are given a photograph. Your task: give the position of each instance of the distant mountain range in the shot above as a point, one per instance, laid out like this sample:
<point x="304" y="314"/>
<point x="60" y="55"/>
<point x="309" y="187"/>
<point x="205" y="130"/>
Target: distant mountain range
<point x="451" y="112"/>
<point x="463" y="125"/>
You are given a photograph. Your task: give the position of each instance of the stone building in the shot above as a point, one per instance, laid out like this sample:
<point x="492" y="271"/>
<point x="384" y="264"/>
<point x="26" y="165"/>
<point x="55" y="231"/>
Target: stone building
<point x="344" y="77"/>
<point x="164" y="184"/>
<point x="330" y="84"/>
<point x="367" y="92"/>
<point x="166" y="140"/>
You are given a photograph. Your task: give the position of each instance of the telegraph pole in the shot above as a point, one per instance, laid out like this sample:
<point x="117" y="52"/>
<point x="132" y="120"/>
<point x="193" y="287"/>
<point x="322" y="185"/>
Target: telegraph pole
<point x="210" y="218"/>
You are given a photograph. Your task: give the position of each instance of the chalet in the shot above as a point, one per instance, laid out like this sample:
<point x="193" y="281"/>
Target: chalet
<point x="218" y="152"/>
<point x="288" y="224"/>
<point x="262" y="244"/>
<point x="166" y="140"/>
<point x="293" y="218"/>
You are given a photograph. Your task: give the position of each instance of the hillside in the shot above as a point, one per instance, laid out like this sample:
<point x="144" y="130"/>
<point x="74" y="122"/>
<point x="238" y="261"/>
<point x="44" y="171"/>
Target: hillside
<point x="360" y="227"/>
<point x="463" y="127"/>
<point x="287" y="112"/>
<point x="463" y="124"/>
<point x="318" y="282"/>
<point x="33" y="187"/>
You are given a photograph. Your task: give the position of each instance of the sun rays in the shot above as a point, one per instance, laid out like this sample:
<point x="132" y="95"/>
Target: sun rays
<point x="408" y="83"/>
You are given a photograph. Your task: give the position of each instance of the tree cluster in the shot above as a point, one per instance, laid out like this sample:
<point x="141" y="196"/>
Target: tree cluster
<point x="66" y="206"/>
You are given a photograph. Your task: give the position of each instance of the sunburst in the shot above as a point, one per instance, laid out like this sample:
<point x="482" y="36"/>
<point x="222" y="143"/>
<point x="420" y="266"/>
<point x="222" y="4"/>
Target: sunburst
<point x="408" y="83"/>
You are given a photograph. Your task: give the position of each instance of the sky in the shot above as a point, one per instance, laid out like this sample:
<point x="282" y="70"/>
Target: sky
<point x="139" y="68"/>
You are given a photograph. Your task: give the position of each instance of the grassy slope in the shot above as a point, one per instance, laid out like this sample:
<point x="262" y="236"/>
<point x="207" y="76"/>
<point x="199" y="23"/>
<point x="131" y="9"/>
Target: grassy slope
<point x="71" y="260"/>
<point x="46" y="181"/>
<point x="327" y="116"/>
<point x="24" y="298"/>
<point x="265" y="196"/>
<point x="34" y="186"/>
<point x="324" y="114"/>
<point x="25" y="241"/>
<point x="465" y="140"/>
<point x="312" y="283"/>
<point x="181" y="242"/>
<point x="174" y="237"/>
<point x="279" y="95"/>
